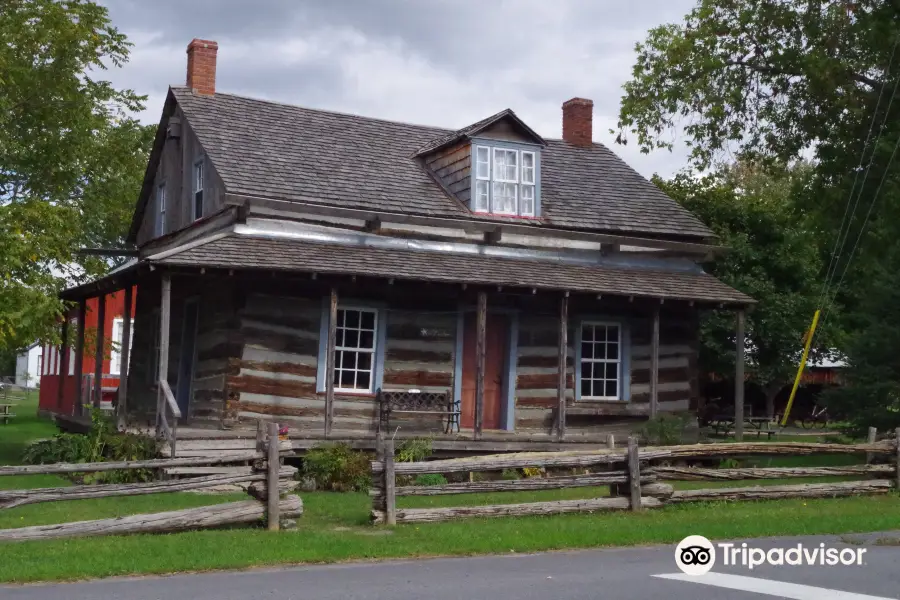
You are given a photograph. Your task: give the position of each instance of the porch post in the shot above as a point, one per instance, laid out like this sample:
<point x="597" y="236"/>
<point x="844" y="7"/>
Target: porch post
<point x="481" y="328"/>
<point x="165" y="309"/>
<point x="63" y="362"/>
<point x="329" y="363"/>
<point x="79" y="358"/>
<point x="739" y="378"/>
<point x="99" y="350"/>
<point x="124" y="360"/>
<point x="562" y="371"/>
<point x="654" y="364"/>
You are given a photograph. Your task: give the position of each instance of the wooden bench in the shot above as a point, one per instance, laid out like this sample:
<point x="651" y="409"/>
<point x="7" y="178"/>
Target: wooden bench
<point x="391" y="402"/>
<point x="5" y="415"/>
<point x="759" y="425"/>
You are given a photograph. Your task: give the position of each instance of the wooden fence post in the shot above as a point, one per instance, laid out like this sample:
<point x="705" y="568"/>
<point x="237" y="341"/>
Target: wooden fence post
<point x="870" y="439"/>
<point x="272" y="514"/>
<point x="897" y="434"/>
<point x="562" y="372"/>
<point x="634" y="473"/>
<point x="390" y="487"/>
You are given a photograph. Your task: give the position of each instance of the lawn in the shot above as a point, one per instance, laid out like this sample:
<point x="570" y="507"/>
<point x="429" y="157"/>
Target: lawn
<point x="335" y="527"/>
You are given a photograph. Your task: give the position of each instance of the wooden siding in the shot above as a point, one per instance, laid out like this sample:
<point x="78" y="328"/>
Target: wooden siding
<point x="453" y="166"/>
<point x="537" y="372"/>
<point x="175" y="170"/>
<point x="276" y="373"/>
<point x="506" y="131"/>
<point x="419" y="354"/>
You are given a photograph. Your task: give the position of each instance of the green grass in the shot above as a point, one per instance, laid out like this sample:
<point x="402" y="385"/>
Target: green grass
<point x="335" y="527"/>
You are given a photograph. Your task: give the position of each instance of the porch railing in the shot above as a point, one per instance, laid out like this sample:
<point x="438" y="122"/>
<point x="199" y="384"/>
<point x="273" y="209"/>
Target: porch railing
<point x="167" y="403"/>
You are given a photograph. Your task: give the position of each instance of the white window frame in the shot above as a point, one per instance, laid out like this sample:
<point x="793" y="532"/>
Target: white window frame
<point x="198" y="179"/>
<point x="338" y="369"/>
<point x="161" y="208"/>
<point x="115" y="353"/>
<point x="73" y="328"/>
<point x="618" y="361"/>
<point x="487" y="179"/>
<point x="518" y="184"/>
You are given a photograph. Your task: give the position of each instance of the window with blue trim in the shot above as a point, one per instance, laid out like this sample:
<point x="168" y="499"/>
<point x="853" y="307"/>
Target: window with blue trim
<point x="600" y="359"/>
<point x="354" y="349"/>
<point x="506" y="181"/>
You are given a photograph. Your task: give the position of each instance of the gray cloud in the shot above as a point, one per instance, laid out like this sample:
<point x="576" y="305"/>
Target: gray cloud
<point x="436" y="62"/>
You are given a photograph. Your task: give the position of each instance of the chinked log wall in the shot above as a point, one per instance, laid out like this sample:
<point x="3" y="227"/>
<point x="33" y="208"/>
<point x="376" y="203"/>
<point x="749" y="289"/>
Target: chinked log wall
<point x="537" y="371"/>
<point x="277" y="369"/>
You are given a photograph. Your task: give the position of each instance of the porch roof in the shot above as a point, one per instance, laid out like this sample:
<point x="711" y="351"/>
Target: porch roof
<point x="236" y="251"/>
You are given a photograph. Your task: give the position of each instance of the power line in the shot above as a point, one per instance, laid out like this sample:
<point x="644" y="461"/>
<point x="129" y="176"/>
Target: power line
<point x="841" y="238"/>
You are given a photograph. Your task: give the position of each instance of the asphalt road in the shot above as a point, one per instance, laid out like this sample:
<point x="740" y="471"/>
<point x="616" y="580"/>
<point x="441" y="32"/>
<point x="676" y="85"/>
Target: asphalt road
<point x="613" y="574"/>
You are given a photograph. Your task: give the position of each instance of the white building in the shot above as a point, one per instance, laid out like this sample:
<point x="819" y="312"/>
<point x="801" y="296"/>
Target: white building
<point x="29" y="366"/>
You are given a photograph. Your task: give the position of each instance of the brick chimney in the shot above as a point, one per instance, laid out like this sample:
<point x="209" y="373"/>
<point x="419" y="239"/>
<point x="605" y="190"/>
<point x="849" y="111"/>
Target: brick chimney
<point x="578" y="116"/>
<point x="201" y="66"/>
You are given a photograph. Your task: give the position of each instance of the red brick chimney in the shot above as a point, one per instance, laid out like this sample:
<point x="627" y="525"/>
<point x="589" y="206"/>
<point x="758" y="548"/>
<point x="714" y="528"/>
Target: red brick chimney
<point x="578" y="116"/>
<point x="201" y="66"/>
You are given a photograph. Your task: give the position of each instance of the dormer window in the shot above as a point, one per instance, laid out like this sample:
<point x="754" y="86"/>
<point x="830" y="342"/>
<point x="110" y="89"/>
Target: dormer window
<point x="198" y="189"/>
<point x="505" y="181"/>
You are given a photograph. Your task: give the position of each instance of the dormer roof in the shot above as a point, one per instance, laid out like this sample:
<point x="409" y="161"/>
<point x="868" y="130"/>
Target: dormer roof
<point x="470" y="131"/>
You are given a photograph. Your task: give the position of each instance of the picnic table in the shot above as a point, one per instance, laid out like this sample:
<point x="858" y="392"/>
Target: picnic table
<point x="5" y="414"/>
<point x="725" y="424"/>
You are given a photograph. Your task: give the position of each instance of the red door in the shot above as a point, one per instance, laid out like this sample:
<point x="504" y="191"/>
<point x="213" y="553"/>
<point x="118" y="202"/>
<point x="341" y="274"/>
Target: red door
<point x="495" y="346"/>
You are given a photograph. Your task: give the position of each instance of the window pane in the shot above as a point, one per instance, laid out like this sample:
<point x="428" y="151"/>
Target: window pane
<point x="352" y="318"/>
<point x="613" y="333"/>
<point x="587" y="350"/>
<point x="587" y="333"/>
<point x="481" y="202"/>
<point x="527" y="167"/>
<point x="482" y="163"/>
<point x="368" y="320"/>
<point x="367" y="339"/>
<point x="363" y="380"/>
<point x="611" y="391"/>
<point x="364" y="361"/>
<point x="340" y="317"/>
<point x="528" y="200"/>
<point x="585" y="370"/>
<point x="346" y="380"/>
<point x="351" y="338"/>
<point x="504" y="196"/>
<point x="612" y="351"/>
<point x="586" y="388"/>
<point x="339" y="337"/>
<point x="505" y="165"/>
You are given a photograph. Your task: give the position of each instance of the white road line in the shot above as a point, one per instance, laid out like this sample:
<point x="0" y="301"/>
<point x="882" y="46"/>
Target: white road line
<point x="781" y="589"/>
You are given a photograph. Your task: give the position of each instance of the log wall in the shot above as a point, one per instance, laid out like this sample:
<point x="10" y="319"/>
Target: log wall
<point x="275" y="375"/>
<point x="537" y="372"/>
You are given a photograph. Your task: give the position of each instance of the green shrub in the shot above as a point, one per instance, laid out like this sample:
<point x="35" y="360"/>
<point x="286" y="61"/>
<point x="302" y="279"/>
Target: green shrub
<point x="666" y="429"/>
<point x="338" y="467"/>
<point x="510" y="474"/>
<point x="430" y="479"/>
<point x="101" y="444"/>
<point x="414" y="450"/>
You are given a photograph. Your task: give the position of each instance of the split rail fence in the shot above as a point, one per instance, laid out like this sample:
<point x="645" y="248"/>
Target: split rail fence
<point x="636" y="477"/>
<point x="268" y="473"/>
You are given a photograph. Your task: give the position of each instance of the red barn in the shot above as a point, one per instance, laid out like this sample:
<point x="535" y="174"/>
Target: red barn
<point x="58" y="381"/>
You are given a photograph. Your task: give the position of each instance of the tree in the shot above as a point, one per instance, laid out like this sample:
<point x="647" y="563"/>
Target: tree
<point x="772" y="255"/>
<point x="779" y="80"/>
<point x="71" y="157"/>
<point x="771" y="78"/>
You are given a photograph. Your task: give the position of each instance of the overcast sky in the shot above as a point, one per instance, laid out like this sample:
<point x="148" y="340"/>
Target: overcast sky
<point x="436" y="62"/>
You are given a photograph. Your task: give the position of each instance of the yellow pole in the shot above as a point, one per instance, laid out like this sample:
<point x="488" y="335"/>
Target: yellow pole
<point x="809" y="339"/>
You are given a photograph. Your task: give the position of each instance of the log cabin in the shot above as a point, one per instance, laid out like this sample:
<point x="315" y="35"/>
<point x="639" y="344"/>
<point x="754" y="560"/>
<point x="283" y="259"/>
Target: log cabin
<point x="293" y="262"/>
